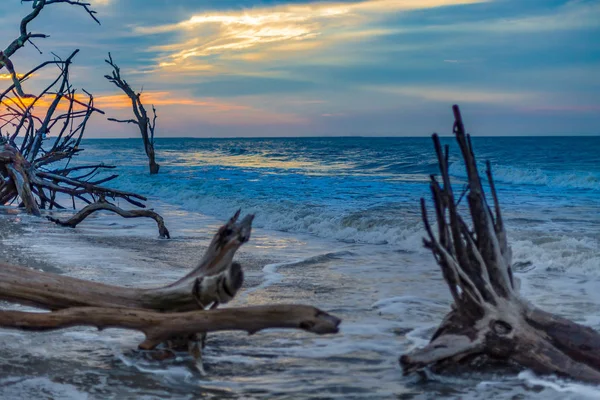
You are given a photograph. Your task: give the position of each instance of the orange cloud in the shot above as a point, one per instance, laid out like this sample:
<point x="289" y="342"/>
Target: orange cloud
<point x="173" y="110"/>
<point x="8" y="77"/>
<point x="119" y="101"/>
<point x="42" y="104"/>
<point x="164" y="99"/>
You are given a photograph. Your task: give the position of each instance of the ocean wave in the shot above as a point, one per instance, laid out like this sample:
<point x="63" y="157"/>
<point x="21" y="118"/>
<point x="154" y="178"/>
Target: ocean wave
<point x="559" y="253"/>
<point x="382" y="224"/>
<point x="367" y="226"/>
<point x="536" y="176"/>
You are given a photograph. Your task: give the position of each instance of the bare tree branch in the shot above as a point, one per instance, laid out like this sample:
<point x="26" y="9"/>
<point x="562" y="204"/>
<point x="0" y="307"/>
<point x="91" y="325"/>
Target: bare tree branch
<point x="145" y="125"/>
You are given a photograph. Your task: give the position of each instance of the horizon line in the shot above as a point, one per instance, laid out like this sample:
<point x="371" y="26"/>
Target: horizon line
<point x="344" y="136"/>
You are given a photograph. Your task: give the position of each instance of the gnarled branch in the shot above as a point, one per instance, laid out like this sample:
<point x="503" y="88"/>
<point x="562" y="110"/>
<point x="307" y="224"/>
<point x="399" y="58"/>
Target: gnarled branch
<point x="102" y="205"/>
<point x="145" y="125"/>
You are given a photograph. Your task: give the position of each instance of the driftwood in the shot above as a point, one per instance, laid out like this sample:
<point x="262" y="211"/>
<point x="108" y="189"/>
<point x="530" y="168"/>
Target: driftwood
<point x="215" y="279"/>
<point x="35" y="168"/>
<point x="102" y="205"/>
<point x="143" y="122"/>
<point x="26" y="36"/>
<point x="176" y="313"/>
<point x="161" y="327"/>
<point x="489" y="320"/>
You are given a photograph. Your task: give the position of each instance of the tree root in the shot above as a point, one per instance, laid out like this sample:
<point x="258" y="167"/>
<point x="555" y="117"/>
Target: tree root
<point x="489" y="318"/>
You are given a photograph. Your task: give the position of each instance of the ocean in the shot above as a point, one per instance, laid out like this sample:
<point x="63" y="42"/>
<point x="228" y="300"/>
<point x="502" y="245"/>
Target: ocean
<point x="337" y="226"/>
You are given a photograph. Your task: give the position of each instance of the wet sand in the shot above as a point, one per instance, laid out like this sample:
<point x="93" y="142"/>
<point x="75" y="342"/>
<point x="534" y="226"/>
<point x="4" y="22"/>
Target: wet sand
<point x="11" y="227"/>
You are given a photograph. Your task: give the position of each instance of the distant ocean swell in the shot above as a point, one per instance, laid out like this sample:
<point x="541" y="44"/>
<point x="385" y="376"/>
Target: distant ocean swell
<point x="537" y="177"/>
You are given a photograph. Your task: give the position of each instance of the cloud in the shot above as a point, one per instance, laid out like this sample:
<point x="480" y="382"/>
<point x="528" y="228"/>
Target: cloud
<point x="593" y="108"/>
<point x="285" y="30"/>
<point x="329" y="67"/>
<point x="100" y="3"/>
<point x="171" y="108"/>
<point x="571" y="16"/>
<point x="119" y="101"/>
<point x="251" y="85"/>
<point x="8" y="77"/>
<point x="460" y="94"/>
<point x="165" y="99"/>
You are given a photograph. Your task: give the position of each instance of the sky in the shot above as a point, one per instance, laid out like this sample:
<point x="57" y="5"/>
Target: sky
<point x="222" y="68"/>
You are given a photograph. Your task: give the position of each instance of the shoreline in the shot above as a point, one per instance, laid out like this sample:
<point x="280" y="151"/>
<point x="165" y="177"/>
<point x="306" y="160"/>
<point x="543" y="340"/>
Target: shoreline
<point x="139" y="261"/>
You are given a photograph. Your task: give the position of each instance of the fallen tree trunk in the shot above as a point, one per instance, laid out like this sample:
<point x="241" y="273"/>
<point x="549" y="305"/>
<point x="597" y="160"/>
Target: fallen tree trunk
<point x="103" y="205"/>
<point x="160" y="327"/>
<point x="216" y="279"/>
<point x="489" y="319"/>
<point x="175" y="314"/>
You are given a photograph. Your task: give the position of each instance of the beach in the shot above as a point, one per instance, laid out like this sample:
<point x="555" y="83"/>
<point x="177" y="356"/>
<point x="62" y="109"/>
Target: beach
<point x="337" y="226"/>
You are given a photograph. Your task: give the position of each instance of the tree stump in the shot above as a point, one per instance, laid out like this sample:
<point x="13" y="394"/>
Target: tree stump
<point x="489" y="319"/>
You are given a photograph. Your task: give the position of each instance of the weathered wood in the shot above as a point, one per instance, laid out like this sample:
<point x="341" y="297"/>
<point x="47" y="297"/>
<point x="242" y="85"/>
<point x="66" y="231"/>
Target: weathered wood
<point x="176" y="314"/>
<point x="102" y="205"/>
<point x="160" y="327"/>
<point x="489" y="318"/>
<point x="145" y="125"/>
<point x="22" y="185"/>
<point x="216" y="279"/>
<point x="36" y="155"/>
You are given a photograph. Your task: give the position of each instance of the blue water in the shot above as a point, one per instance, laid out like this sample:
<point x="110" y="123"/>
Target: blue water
<point x="337" y="226"/>
<point x="353" y="189"/>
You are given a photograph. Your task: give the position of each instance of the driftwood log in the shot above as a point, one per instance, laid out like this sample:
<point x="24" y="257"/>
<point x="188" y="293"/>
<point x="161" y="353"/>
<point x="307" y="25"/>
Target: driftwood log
<point x="161" y="327"/>
<point x="489" y="319"/>
<point x="145" y="125"/>
<point x="181" y="312"/>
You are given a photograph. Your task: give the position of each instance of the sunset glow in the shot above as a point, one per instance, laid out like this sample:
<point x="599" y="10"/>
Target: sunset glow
<point x="334" y="67"/>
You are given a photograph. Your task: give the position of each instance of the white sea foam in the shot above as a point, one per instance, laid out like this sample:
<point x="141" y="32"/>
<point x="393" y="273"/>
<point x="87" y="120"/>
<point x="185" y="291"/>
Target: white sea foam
<point x="398" y="305"/>
<point x="561" y="386"/>
<point x="358" y="227"/>
<point x="536" y="176"/>
<point x="559" y="253"/>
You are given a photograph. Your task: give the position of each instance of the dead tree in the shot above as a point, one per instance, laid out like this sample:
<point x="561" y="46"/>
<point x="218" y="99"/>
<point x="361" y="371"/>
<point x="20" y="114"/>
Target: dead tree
<point x="26" y="36"/>
<point x="180" y="311"/>
<point x="489" y="319"/>
<point x="41" y="134"/>
<point x="143" y="122"/>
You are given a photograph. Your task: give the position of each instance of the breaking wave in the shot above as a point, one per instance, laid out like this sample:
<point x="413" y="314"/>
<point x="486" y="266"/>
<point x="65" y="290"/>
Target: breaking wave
<point x="376" y="225"/>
